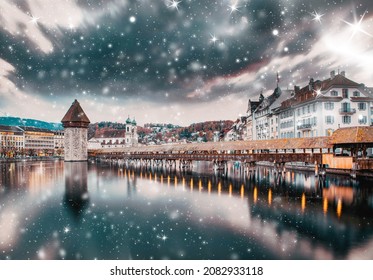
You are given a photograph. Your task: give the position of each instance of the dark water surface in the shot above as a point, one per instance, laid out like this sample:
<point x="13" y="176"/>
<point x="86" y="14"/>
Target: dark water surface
<point x="56" y="210"/>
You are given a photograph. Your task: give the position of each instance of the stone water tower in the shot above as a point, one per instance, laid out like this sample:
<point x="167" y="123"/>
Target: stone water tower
<point x="75" y="124"/>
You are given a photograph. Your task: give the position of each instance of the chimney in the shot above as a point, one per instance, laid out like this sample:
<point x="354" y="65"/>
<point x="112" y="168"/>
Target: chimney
<point x="343" y="73"/>
<point x="332" y="74"/>
<point x="311" y="84"/>
<point x="296" y="89"/>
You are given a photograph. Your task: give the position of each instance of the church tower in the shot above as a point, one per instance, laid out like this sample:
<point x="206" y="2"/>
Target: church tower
<point x="75" y="124"/>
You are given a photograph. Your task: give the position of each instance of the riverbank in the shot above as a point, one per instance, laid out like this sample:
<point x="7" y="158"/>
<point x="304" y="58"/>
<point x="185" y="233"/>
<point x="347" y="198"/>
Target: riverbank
<point x="7" y="160"/>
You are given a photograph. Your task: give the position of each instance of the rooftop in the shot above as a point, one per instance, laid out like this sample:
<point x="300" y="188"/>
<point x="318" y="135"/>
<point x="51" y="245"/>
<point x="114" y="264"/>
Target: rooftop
<point x="350" y="135"/>
<point x="75" y="116"/>
<point x="8" y="128"/>
<point x="309" y="92"/>
<point x="35" y="129"/>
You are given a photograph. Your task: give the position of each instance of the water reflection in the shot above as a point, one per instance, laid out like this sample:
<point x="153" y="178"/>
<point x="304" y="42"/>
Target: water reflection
<point x="146" y="213"/>
<point x="76" y="187"/>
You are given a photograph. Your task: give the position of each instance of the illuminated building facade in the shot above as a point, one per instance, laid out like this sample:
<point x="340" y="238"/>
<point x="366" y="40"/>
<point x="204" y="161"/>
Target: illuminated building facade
<point x="38" y="142"/>
<point x="12" y="141"/>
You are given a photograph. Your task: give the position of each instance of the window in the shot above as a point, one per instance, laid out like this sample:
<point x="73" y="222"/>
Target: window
<point x="346" y="119"/>
<point x="298" y="111"/>
<point x="356" y="93"/>
<point x="314" y="107"/>
<point x="362" y="119"/>
<point x="334" y="93"/>
<point x="362" y="106"/>
<point x="329" y="119"/>
<point x="308" y="109"/>
<point x="346" y="107"/>
<point x="329" y="105"/>
<point x="345" y="93"/>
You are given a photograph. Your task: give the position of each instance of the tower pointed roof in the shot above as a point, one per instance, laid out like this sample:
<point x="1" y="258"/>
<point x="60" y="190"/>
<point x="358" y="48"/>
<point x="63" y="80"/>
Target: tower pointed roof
<point x="75" y="116"/>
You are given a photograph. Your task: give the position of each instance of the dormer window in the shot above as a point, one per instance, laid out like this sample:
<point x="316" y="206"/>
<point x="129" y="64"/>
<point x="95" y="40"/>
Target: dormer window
<point x="356" y="93"/>
<point x="345" y="93"/>
<point x="334" y="93"/>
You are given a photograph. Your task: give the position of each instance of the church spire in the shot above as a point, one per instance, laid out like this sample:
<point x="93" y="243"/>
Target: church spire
<point x="277" y="79"/>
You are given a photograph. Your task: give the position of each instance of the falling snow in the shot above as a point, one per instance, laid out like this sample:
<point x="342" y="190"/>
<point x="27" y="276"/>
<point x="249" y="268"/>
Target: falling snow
<point x="178" y="47"/>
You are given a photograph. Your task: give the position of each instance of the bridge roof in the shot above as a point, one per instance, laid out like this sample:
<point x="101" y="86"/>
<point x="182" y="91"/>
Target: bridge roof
<point x="294" y="143"/>
<point x="352" y="135"/>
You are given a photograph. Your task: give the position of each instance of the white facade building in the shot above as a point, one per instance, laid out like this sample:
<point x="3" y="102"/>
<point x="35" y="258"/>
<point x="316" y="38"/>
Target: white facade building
<point x="264" y="117"/>
<point x="324" y="106"/>
<point x="116" y="138"/>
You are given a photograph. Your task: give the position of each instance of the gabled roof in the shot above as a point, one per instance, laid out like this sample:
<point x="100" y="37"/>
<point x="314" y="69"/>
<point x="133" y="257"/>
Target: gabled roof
<point x="35" y="129"/>
<point x="75" y="116"/>
<point x="338" y="80"/>
<point x="350" y="135"/>
<point x="269" y="100"/>
<point x="309" y="92"/>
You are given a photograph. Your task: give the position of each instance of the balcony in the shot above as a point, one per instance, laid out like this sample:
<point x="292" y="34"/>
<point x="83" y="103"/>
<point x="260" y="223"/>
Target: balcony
<point x="347" y="111"/>
<point x="305" y="126"/>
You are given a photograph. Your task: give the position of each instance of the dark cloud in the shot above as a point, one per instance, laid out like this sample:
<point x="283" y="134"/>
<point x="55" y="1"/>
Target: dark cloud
<point x="146" y="49"/>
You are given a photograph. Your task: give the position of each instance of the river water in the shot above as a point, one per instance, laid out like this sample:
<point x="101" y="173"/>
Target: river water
<point x="57" y="210"/>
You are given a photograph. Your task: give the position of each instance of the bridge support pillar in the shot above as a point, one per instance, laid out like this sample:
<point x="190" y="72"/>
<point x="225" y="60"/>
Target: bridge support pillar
<point x="250" y="166"/>
<point x="279" y="167"/>
<point x="220" y="165"/>
<point x="320" y="170"/>
<point x="355" y="167"/>
<point x="185" y="164"/>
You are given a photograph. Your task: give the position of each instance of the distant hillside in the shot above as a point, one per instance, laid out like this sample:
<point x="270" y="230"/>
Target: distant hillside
<point x="162" y="133"/>
<point x="15" y="121"/>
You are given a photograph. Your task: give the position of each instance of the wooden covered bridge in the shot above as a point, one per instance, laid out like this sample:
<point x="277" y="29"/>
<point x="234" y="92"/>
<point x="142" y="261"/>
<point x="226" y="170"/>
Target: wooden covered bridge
<point x="347" y="148"/>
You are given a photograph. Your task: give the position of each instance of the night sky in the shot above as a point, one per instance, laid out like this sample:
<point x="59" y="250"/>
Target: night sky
<point x="174" y="61"/>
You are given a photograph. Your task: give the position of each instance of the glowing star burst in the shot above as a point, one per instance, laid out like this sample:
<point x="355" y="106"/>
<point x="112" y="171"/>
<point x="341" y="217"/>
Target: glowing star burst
<point x="233" y="8"/>
<point x="213" y="39"/>
<point x="34" y="20"/>
<point x="356" y="27"/>
<point x="172" y="4"/>
<point x="317" y="16"/>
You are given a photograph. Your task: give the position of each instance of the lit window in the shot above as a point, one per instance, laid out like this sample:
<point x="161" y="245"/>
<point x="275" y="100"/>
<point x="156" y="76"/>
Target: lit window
<point x="363" y="120"/>
<point x="329" y="132"/>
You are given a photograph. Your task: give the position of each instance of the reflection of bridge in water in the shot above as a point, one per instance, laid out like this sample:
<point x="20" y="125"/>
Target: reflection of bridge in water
<point x="329" y="215"/>
<point x="346" y="151"/>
